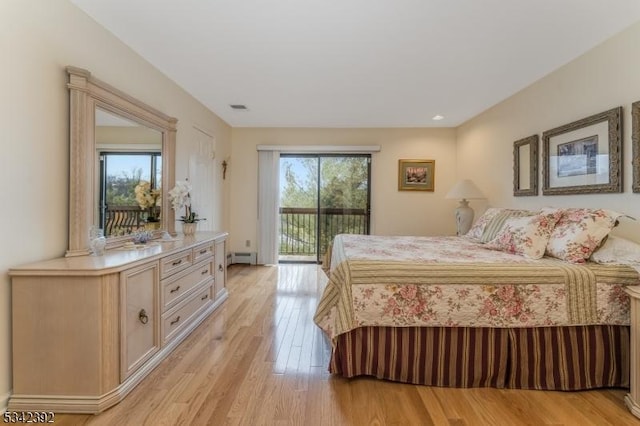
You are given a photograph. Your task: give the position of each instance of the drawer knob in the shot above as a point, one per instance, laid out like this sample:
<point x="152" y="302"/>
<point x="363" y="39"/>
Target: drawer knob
<point x="177" y="262"/>
<point x="204" y="272"/>
<point x="203" y="251"/>
<point x="175" y="321"/>
<point x="173" y="290"/>
<point x="220" y="268"/>
<point x="143" y="317"/>
<point x="205" y="297"/>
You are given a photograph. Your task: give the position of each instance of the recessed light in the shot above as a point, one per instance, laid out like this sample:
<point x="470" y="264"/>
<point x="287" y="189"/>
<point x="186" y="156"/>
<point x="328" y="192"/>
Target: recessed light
<point x="239" y="107"/>
<point x="437" y="117"/>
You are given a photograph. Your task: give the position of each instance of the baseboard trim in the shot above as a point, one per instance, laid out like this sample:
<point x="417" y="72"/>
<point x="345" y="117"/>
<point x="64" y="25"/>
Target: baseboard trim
<point x="4" y="401"/>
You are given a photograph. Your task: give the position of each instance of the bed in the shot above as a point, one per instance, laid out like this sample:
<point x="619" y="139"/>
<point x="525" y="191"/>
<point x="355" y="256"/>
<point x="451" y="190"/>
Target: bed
<point x="450" y="311"/>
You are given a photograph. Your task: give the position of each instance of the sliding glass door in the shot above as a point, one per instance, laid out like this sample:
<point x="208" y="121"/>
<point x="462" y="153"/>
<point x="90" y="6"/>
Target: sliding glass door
<point x="321" y="195"/>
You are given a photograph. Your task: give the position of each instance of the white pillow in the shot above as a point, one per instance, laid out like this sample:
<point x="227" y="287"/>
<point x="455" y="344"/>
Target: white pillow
<point x="617" y="250"/>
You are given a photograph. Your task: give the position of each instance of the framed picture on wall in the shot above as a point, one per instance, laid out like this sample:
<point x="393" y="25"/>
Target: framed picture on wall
<point x="416" y="175"/>
<point x="584" y="157"/>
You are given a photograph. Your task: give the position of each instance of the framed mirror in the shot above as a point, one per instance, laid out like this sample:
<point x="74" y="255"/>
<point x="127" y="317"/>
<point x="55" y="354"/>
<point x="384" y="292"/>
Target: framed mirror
<point x="525" y="166"/>
<point x="121" y="167"/>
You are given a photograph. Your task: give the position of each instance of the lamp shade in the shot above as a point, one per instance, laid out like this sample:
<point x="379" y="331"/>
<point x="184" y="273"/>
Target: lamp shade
<point x="464" y="190"/>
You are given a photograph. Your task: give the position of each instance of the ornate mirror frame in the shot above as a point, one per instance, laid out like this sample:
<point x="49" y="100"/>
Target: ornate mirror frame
<point x="530" y="169"/>
<point x="87" y="93"/>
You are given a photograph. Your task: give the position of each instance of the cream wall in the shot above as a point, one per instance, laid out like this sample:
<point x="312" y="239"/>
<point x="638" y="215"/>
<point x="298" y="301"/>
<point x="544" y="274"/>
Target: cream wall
<point x="606" y="77"/>
<point x="393" y="212"/>
<point x="37" y="40"/>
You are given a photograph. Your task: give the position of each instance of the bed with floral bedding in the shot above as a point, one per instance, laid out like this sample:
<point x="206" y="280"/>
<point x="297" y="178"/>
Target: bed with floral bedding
<point x="492" y="308"/>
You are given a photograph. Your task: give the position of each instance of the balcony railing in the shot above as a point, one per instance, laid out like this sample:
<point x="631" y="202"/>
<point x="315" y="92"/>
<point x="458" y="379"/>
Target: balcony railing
<point x="123" y="220"/>
<point x="299" y="230"/>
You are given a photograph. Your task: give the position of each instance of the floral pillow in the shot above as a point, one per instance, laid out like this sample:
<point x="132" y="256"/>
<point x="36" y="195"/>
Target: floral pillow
<point x="482" y="228"/>
<point x="579" y="233"/>
<point x="527" y="236"/>
<point x="495" y="225"/>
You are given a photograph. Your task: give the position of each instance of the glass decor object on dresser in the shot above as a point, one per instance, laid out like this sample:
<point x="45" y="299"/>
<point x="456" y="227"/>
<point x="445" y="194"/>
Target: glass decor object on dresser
<point x="97" y="241"/>
<point x="107" y="125"/>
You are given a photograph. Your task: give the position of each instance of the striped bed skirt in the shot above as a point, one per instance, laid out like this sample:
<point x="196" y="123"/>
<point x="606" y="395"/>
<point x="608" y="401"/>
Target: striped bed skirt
<point x="550" y="358"/>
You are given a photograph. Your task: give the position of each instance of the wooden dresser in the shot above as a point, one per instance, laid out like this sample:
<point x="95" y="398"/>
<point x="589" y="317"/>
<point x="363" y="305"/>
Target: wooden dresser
<point x="87" y="330"/>
<point x="632" y="399"/>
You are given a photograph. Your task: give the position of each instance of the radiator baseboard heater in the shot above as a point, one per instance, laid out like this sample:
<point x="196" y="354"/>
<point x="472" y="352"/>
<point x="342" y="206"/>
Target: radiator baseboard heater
<point x="248" y="258"/>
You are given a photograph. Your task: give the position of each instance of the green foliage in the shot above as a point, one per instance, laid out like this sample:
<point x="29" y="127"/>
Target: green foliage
<point x="343" y="185"/>
<point x="121" y="188"/>
<point x="190" y="217"/>
<point x="300" y="189"/>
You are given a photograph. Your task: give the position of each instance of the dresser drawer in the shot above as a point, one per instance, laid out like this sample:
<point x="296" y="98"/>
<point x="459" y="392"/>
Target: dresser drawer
<point x="203" y="251"/>
<point x="179" y="317"/>
<point x="176" y="262"/>
<point x="180" y="283"/>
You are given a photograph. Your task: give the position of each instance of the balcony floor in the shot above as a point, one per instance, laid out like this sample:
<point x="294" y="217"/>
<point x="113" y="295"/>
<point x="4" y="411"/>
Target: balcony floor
<point x="298" y="258"/>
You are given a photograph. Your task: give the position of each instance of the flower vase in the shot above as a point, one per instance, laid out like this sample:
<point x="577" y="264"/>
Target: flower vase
<point x="152" y="225"/>
<point x="189" y="228"/>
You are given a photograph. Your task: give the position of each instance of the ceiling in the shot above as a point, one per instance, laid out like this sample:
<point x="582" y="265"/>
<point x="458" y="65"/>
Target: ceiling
<point x="358" y="63"/>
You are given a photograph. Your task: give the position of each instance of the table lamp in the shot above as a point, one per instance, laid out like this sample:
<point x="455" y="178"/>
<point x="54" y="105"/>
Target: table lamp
<point x="464" y="190"/>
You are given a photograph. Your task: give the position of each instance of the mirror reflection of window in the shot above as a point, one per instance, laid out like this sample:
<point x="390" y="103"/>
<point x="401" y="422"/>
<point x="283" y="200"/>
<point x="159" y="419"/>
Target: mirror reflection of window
<point x="120" y="212"/>
<point x="129" y="156"/>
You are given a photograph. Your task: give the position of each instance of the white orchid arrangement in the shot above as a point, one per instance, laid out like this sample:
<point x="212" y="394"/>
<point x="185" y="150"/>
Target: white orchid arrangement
<point x="148" y="197"/>
<point x="181" y="198"/>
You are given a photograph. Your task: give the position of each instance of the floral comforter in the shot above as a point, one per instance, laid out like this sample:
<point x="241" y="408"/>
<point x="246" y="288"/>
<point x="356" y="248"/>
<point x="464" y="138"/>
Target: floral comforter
<point x="451" y="281"/>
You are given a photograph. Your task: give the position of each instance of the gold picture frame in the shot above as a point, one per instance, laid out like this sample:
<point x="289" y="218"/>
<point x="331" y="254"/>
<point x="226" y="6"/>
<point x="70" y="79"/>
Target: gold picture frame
<point x="416" y="175"/>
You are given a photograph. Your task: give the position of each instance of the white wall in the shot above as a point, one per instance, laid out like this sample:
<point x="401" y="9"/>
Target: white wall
<point x="605" y="77"/>
<point x="38" y="39"/>
<point x="393" y="212"/>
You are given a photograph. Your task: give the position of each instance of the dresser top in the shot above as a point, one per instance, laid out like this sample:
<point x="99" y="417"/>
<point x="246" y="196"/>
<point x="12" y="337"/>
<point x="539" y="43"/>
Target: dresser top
<point x="117" y="259"/>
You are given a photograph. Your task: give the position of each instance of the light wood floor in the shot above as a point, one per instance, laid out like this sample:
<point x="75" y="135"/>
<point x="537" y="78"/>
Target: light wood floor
<point x="260" y="360"/>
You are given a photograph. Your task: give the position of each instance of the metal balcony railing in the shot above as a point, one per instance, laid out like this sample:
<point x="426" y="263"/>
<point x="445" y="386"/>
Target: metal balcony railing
<point x="301" y="228"/>
<point x="123" y="220"/>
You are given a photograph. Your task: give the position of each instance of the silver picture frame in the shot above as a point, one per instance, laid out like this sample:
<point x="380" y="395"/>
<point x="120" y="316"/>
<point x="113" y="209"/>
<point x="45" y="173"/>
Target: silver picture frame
<point x="584" y="157"/>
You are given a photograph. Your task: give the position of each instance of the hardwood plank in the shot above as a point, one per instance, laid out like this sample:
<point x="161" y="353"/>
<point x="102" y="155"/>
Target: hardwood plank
<point x="260" y="360"/>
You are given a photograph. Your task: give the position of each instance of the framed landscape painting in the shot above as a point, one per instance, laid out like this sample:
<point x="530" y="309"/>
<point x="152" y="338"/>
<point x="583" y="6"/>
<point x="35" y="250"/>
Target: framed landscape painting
<point x="416" y="175"/>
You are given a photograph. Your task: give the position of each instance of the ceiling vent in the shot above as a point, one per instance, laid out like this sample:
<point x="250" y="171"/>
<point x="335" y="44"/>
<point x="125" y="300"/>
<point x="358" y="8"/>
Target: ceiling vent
<point x="239" y="107"/>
